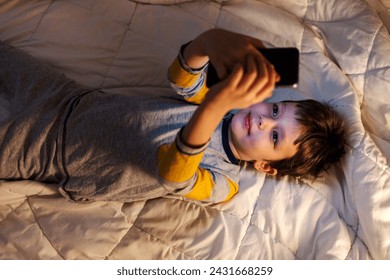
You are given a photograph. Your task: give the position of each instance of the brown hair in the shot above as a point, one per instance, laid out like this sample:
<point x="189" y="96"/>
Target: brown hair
<point x="321" y="144"/>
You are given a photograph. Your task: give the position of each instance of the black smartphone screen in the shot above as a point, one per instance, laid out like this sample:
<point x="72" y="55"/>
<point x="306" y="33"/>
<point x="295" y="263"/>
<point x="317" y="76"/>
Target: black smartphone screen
<point x="285" y="61"/>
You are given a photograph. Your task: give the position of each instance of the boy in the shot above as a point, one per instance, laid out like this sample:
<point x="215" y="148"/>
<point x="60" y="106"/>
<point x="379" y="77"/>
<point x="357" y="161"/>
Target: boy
<point x="101" y="146"/>
<point x="290" y="138"/>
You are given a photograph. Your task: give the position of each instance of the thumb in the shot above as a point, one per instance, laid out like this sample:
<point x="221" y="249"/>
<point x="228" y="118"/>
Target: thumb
<point x="257" y="43"/>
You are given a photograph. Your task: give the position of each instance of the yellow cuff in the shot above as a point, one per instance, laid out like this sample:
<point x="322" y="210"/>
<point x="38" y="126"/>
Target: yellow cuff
<point x="181" y="77"/>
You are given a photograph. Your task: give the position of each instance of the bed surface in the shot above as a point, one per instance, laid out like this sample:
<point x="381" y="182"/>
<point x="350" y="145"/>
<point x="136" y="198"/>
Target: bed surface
<point x="126" y="46"/>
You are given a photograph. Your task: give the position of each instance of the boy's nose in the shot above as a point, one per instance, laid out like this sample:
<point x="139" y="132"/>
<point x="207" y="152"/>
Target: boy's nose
<point x="265" y="122"/>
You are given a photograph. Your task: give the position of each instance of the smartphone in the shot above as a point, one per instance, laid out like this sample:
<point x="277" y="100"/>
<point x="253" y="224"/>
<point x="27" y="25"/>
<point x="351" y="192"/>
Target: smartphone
<point x="285" y="61"/>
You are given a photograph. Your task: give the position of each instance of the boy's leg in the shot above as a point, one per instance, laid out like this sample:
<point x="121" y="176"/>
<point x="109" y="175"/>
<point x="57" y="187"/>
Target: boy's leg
<point x="24" y="80"/>
<point x="37" y="97"/>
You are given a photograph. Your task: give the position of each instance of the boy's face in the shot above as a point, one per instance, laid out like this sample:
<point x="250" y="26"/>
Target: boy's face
<point x="264" y="132"/>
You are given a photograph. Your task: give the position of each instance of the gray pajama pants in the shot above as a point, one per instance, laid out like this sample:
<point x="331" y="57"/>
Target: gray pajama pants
<point x="39" y="100"/>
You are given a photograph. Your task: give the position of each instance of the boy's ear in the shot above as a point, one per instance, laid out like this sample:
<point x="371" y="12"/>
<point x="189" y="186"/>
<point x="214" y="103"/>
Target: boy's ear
<point x="264" y="167"/>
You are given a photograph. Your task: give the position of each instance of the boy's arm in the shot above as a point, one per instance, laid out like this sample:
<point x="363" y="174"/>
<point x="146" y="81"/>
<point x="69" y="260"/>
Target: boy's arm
<point x="249" y="82"/>
<point x="187" y="81"/>
<point x="178" y="164"/>
<point x="220" y="47"/>
<point x="179" y="172"/>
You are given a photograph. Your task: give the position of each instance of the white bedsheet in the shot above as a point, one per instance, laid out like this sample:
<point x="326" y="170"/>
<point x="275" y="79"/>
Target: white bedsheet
<point x="127" y="46"/>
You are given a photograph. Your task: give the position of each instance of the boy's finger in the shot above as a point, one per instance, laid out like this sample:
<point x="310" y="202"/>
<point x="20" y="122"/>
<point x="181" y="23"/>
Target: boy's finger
<point x="251" y="73"/>
<point x="264" y="70"/>
<point x="276" y="74"/>
<point x="236" y="75"/>
<point x="257" y="43"/>
<point x="277" y="77"/>
<point x="222" y="71"/>
<point x="264" y="87"/>
<point x="262" y="75"/>
<point x="269" y="87"/>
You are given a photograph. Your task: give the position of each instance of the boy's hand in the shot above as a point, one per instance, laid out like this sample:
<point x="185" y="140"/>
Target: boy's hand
<point x="247" y="78"/>
<point x="247" y="84"/>
<point x="223" y="49"/>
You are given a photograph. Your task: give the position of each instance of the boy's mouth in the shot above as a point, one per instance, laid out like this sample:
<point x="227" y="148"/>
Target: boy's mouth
<point x="248" y="123"/>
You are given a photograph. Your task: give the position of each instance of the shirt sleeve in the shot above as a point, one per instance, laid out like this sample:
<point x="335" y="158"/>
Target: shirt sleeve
<point x="188" y="82"/>
<point x="180" y="173"/>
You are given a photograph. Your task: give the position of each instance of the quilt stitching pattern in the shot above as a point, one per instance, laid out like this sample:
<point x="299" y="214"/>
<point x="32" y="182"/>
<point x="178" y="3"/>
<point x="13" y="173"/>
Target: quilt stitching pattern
<point x="247" y="221"/>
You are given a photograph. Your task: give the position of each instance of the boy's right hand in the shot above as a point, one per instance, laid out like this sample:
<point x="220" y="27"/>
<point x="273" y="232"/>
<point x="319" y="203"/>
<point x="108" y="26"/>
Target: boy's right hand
<point x="245" y="73"/>
<point x="247" y="84"/>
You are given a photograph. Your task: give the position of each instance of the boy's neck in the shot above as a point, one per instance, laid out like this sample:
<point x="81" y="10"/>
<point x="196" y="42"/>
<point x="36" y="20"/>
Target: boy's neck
<point x="227" y="141"/>
<point x="232" y="148"/>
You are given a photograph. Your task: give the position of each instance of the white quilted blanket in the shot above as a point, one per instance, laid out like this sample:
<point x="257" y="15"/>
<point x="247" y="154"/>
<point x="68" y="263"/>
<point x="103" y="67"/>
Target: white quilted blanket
<point x="126" y="45"/>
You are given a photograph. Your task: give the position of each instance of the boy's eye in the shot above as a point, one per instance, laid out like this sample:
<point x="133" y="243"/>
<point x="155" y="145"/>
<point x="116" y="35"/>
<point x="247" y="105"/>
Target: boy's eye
<point x="275" y="110"/>
<point x="275" y="137"/>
